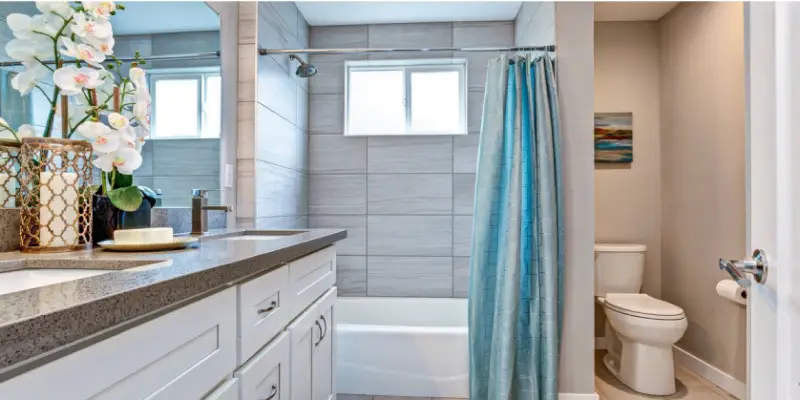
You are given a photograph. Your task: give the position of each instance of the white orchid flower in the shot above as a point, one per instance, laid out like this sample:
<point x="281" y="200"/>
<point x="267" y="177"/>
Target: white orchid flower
<point x="21" y="25"/>
<point x="118" y="121"/>
<point x="82" y="52"/>
<point x="105" y="46"/>
<point x="26" y="130"/>
<point x="28" y="49"/>
<point x="127" y="140"/>
<point x="29" y="78"/>
<point x="141" y="111"/>
<point x="107" y="142"/>
<point x="61" y="8"/>
<point x="125" y="160"/>
<point x="137" y="76"/>
<point x="92" y="129"/>
<point x="72" y="80"/>
<point x="91" y="28"/>
<point x="100" y="9"/>
<point x="5" y="131"/>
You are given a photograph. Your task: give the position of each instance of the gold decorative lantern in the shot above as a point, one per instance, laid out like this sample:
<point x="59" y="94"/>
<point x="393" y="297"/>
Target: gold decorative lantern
<point x="9" y="173"/>
<point x="55" y="205"/>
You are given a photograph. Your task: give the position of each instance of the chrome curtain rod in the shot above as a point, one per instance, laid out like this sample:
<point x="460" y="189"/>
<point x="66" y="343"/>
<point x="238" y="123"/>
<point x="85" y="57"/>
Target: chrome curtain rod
<point x="264" y="52"/>
<point x="190" y="56"/>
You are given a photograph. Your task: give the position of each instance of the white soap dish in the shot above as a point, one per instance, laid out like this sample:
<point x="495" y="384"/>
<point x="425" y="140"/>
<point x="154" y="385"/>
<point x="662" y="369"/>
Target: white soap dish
<point x="176" y="243"/>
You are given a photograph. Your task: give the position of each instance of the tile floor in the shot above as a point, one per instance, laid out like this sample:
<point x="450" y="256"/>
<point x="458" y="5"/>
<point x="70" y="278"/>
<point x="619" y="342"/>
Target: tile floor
<point x="690" y="387"/>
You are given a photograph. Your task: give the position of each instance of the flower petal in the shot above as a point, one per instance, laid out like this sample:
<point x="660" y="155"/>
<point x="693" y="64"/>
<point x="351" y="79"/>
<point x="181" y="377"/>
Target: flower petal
<point x="106" y="143"/>
<point x="92" y="129"/>
<point x="105" y="162"/>
<point x="26" y="130"/>
<point x="118" y="121"/>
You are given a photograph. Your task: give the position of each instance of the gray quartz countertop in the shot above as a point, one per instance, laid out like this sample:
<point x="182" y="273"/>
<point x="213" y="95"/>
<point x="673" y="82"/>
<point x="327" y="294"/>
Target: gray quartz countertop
<point x="42" y="324"/>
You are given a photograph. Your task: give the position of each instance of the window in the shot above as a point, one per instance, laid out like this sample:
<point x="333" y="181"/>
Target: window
<point x="406" y="97"/>
<point x="186" y="103"/>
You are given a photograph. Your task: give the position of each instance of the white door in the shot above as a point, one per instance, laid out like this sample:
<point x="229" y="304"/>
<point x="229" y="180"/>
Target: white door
<point x="304" y="333"/>
<point x="772" y="40"/>
<point x="324" y="355"/>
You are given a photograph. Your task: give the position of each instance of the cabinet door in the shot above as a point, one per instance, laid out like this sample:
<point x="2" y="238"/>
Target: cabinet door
<point x="305" y="333"/>
<point x="323" y="386"/>
<point x="266" y="375"/>
<point x="179" y="355"/>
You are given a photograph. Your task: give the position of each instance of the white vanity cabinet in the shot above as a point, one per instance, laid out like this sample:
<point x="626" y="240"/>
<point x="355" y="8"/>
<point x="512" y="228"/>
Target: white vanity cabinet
<point x="312" y="351"/>
<point x="269" y="338"/>
<point x="183" y="354"/>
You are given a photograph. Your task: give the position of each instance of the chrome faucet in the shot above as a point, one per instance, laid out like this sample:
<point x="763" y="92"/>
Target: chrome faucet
<point x="200" y="210"/>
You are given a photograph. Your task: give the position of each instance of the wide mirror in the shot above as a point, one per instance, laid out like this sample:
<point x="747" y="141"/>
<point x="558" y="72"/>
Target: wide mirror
<point x="182" y="68"/>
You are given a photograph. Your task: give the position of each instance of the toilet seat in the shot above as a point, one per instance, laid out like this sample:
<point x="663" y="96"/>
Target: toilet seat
<point x="643" y="306"/>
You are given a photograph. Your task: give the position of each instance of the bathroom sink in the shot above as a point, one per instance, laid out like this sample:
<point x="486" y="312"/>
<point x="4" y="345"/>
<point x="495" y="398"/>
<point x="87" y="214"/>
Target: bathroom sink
<point x="18" y="275"/>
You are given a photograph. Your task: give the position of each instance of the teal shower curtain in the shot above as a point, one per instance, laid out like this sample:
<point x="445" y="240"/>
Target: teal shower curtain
<point x="517" y="262"/>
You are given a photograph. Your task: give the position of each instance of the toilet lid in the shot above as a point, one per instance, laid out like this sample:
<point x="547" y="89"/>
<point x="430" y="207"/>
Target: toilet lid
<point x="642" y="306"/>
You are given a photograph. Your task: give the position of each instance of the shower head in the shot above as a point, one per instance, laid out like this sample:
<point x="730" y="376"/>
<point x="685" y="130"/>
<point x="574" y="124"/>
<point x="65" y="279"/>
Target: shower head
<point x="305" y="70"/>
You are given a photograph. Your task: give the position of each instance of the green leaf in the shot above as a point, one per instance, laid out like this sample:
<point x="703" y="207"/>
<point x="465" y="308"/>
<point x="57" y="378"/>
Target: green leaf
<point x="121" y="181"/>
<point x="126" y="199"/>
<point x="90" y="190"/>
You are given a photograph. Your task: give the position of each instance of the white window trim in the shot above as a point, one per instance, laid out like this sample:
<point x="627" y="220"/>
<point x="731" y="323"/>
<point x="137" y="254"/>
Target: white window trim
<point x="409" y="66"/>
<point x="198" y="73"/>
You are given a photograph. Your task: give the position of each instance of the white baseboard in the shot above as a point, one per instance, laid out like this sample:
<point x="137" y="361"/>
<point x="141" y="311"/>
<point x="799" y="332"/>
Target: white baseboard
<point x="600" y="343"/>
<point x="711" y="373"/>
<point x="578" y="396"/>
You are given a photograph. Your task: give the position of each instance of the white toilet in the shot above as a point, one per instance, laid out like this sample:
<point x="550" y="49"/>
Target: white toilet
<point x="640" y="330"/>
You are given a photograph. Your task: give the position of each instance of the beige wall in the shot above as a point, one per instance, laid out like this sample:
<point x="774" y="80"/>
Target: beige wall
<point x="574" y="32"/>
<point x="628" y="196"/>
<point x="703" y="174"/>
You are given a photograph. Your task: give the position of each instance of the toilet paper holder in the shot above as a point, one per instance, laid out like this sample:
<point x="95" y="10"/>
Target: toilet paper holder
<point x="756" y="266"/>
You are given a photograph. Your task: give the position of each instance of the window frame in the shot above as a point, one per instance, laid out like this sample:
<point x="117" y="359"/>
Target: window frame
<point x="201" y="75"/>
<point x="408" y="67"/>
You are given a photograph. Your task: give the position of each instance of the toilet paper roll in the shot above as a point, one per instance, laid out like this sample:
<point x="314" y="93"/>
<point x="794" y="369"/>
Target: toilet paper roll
<point x="731" y="290"/>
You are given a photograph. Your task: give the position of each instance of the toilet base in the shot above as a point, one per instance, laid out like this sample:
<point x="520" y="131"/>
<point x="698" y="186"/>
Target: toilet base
<point x="645" y="369"/>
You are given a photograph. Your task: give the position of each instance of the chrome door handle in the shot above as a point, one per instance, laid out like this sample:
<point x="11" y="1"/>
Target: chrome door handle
<point x="322" y="317"/>
<point x="272" y="393"/>
<point x="271" y="307"/>
<point x="756" y="266"/>
<point x="320" y="333"/>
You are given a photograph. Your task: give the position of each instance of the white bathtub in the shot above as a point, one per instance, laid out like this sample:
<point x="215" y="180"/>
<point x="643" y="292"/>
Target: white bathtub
<point x="402" y="347"/>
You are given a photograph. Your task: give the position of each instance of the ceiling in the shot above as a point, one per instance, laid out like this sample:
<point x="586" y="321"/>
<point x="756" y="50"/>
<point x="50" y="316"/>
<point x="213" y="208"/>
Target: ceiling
<point x="320" y="13"/>
<point x="143" y="17"/>
<point x="632" y="11"/>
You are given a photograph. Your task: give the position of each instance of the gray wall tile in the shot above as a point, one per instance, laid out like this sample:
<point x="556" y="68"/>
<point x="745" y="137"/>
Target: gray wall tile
<point x="276" y="89"/>
<point x="460" y="276"/>
<point x="288" y="222"/>
<point x="337" y="154"/>
<point x="410" y="194"/>
<point x="406" y="154"/>
<point x="356" y="241"/>
<point x="422" y="35"/>
<point x="177" y="192"/>
<point x="474" y="110"/>
<point x="338" y="194"/>
<point x="276" y="191"/>
<point x="465" y="153"/>
<point x="186" y="157"/>
<point x="277" y="139"/>
<point x="326" y="114"/>
<point x="351" y="275"/>
<point x="483" y="34"/>
<point x="463" y="194"/>
<point x="410" y="276"/>
<point x="329" y="78"/>
<point x="147" y="160"/>
<point x="410" y="235"/>
<point x="462" y="235"/>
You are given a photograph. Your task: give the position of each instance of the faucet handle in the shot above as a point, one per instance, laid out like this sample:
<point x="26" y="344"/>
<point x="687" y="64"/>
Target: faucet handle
<point x="203" y="192"/>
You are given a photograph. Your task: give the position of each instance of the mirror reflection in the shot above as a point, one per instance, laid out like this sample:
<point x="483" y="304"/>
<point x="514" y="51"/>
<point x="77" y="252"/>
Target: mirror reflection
<point x="183" y="74"/>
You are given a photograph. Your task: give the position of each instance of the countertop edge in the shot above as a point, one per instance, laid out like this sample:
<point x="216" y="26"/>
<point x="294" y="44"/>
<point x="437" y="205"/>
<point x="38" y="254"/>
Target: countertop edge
<point x="109" y="327"/>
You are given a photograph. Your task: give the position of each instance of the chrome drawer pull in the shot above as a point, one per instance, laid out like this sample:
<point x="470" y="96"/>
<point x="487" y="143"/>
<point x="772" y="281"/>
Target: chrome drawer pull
<point x="321" y="336"/>
<point x="272" y="393"/>
<point x="322" y="317"/>
<point x="271" y="307"/>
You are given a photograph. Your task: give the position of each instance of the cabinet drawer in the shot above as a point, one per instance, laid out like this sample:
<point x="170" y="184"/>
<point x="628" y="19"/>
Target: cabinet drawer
<point x="228" y="391"/>
<point x="266" y="376"/>
<point x="180" y="355"/>
<point x="310" y="277"/>
<point x="264" y="310"/>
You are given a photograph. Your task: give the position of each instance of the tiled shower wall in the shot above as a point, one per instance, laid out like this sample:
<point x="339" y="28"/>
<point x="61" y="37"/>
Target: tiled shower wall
<point x="273" y="119"/>
<point x="406" y="201"/>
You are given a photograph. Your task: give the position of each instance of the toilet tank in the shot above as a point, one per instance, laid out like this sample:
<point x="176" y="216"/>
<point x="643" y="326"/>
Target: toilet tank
<point x="618" y="268"/>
